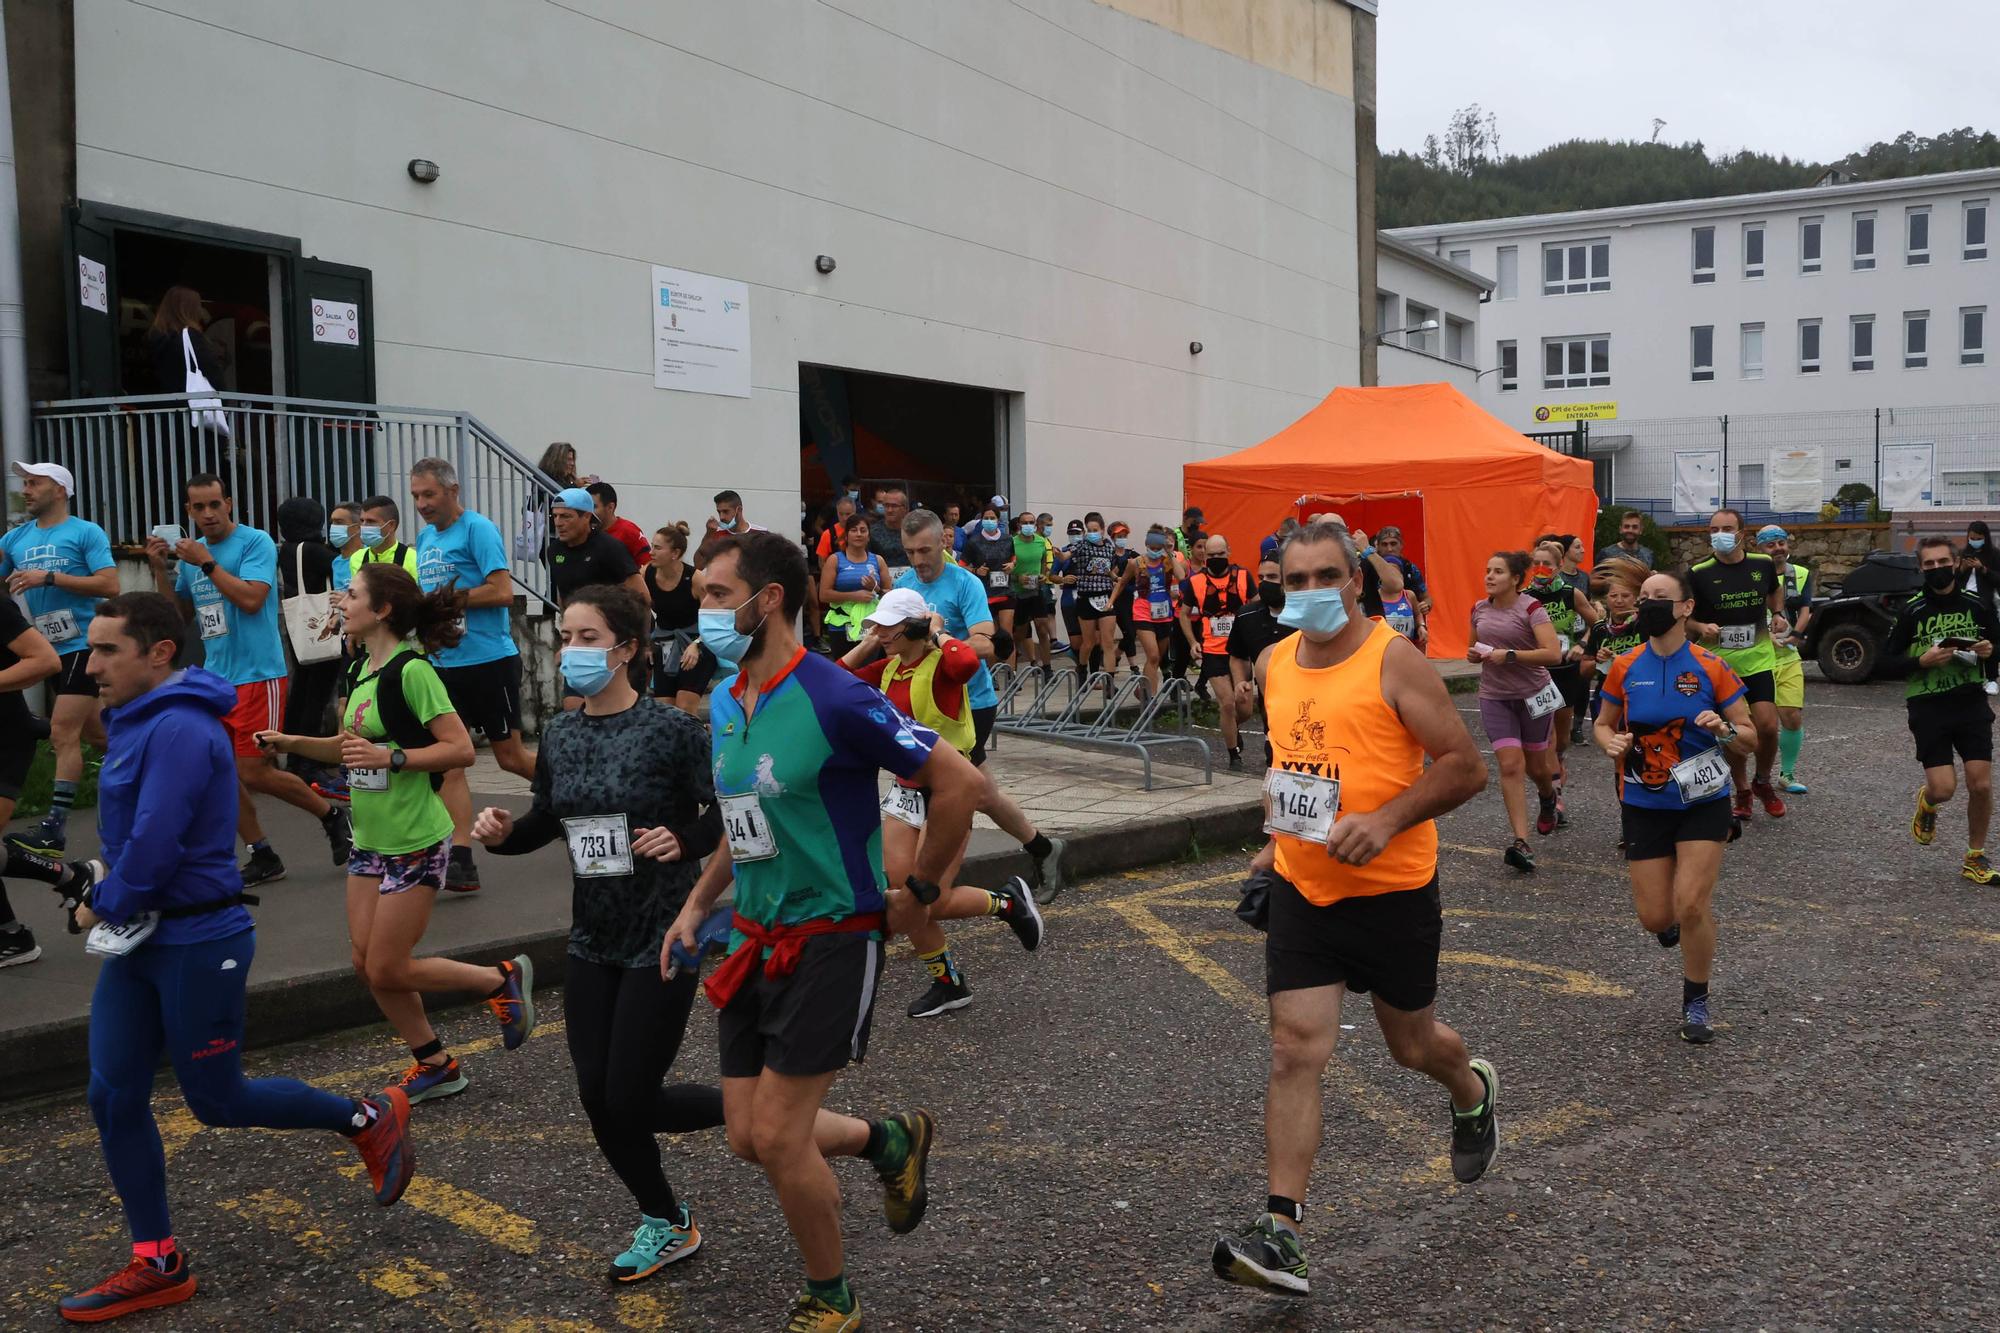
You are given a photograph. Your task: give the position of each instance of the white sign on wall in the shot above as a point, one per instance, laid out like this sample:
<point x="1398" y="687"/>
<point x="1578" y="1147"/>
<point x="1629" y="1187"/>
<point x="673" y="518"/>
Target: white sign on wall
<point x="95" y="288"/>
<point x="1795" y="480"/>
<point x="337" y="322"/>
<point x="1698" y="481"/>
<point x="1906" y="476"/>
<point x="701" y="333"/>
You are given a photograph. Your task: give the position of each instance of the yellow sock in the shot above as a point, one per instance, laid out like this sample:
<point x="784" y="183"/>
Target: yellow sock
<point x="940" y="965"/>
<point x="996" y="905"/>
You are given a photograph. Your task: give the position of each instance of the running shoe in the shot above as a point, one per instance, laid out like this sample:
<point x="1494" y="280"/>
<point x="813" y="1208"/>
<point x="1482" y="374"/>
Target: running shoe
<point x="1475" y="1138"/>
<point x="1562" y="812"/>
<point x="1975" y="868"/>
<point x="386" y="1148"/>
<point x="1047" y="875"/>
<point x="1767" y="796"/>
<point x="1791" y="785"/>
<point x="426" y="1083"/>
<point x="810" y="1314"/>
<point x="942" y="997"/>
<point x="262" y="868"/>
<point x="339" y="827"/>
<point x="461" y="876"/>
<point x="1263" y="1254"/>
<point x="135" y="1287"/>
<point x="1694" y="1022"/>
<point x="48" y="838"/>
<point x="1923" y="824"/>
<point x="1023" y="917"/>
<point x="1521" y="856"/>
<point x="1669" y="937"/>
<point x="905" y="1194"/>
<point x="657" y="1243"/>
<point x="1992" y="687"/>
<point x="514" y="1006"/>
<point x="1236" y="761"/>
<point x="1545" y="818"/>
<point x="1739" y="807"/>
<point x="18" y="946"/>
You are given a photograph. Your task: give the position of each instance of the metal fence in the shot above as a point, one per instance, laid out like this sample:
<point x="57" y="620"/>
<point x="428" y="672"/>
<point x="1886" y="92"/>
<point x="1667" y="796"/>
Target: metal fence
<point x="131" y="457"/>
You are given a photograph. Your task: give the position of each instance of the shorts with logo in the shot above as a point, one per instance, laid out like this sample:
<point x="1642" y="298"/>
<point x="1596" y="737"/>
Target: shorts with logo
<point x="1651" y="834"/>
<point x="982" y="732"/>
<point x="260" y="706"/>
<point x="1788" y="682"/>
<point x="1958" y="723"/>
<point x="814" y="1021"/>
<point x="74" y="677"/>
<point x="423" y="869"/>
<point x="1386" y="943"/>
<point x="486" y="697"/>
<point x="1085" y="611"/>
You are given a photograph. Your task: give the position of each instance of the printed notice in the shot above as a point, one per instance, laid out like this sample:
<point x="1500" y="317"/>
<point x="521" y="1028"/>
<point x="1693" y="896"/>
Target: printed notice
<point x="701" y="333"/>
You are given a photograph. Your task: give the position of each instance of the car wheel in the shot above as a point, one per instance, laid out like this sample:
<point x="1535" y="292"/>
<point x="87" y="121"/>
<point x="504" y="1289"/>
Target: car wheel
<point x="1848" y="653"/>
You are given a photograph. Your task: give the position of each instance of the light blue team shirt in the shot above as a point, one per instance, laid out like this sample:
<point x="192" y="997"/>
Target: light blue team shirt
<point x="959" y="597"/>
<point x="73" y="546"/>
<point x="343" y="572"/>
<point x="463" y="556"/>
<point x="242" y="647"/>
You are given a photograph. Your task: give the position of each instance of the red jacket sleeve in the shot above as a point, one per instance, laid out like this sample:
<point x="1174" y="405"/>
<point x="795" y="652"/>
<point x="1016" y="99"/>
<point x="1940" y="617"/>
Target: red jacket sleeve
<point x="872" y="673"/>
<point x="960" y="662"/>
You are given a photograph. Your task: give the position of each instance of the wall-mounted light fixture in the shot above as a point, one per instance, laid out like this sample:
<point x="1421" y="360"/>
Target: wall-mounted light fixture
<point x="1194" y="349"/>
<point x="422" y="170"/>
<point x="824" y="263"/>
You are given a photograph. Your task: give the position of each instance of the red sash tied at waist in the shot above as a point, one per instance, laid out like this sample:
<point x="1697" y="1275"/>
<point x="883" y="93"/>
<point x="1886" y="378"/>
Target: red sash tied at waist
<point x="786" y="944"/>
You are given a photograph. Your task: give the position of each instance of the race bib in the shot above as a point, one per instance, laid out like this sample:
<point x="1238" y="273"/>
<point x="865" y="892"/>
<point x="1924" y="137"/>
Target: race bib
<point x="1030" y="582"/>
<point x="368" y="779"/>
<point x="996" y="578"/>
<point x="1219" y="626"/>
<point x="1545" y="700"/>
<point x="1300" y="805"/>
<point x="1562" y="642"/>
<point x="599" y="845"/>
<point x="1162" y="609"/>
<point x="1100" y="604"/>
<point x="214" y="619"/>
<point x="1734" y="637"/>
<point x="743" y="821"/>
<point x="907" y="804"/>
<point x="109" y="941"/>
<point x="57" y="626"/>
<point x="1701" y="776"/>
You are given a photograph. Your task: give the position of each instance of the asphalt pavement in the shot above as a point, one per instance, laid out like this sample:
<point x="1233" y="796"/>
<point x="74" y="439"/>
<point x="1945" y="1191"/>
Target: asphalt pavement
<point x="1829" y="1162"/>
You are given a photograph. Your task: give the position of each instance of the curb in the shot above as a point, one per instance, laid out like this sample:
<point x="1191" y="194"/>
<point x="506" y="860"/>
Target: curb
<point x="55" y="1057"/>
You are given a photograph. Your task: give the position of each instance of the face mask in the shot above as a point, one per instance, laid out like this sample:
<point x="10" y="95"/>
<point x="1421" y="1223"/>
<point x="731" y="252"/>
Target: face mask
<point x="1094" y="535"/>
<point x="371" y="535"/>
<point x="1318" y="613"/>
<point x="854" y="495"/>
<point x="720" y="636"/>
<point x="1027" y="529"/>
<point x="989" y="528"/>
<point x="1722" y="543"/>
<point x="1940" y="580"/>
<point x="1541" y="574"/>
<point x="1218" y="564"/>
<point x="336" y="534"/>
<point x="1976" y="543"/>
<point x="586" y="670"/>
<point x="1271" y="595"/>
<point x="1656" y="616"/>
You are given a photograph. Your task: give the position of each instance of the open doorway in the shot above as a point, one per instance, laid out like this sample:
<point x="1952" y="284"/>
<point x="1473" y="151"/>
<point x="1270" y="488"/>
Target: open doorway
<point x="240" y="290"/>
<point x="947" y="442"/>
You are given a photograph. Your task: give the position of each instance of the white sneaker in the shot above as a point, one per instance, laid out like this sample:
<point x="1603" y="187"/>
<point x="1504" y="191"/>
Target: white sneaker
<point x="1993" y="687"/>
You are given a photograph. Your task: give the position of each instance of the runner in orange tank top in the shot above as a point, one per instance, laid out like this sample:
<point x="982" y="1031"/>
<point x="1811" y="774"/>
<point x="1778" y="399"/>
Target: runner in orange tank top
<point x="1351" y="877"/>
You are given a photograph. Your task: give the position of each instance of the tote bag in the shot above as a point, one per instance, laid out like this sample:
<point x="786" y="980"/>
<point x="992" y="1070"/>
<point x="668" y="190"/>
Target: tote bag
<point x="310" y="621"/>
<point x="208" y="414"/>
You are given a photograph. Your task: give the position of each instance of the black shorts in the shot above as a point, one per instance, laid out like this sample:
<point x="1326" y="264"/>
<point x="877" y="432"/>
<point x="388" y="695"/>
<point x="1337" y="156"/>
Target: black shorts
<point x="994" y="604"/>
<point x="1386" y="943"/>
<point x="1085" y="611"/>
<point x="19" y="734"/>
<point x="1034" y="606"/>
<point x="1651" y="834"/>
<point x="1959" y="723"/>
<point x="669" y="679"/>
<point x="814" y="1021"/>
<point x="1214" y="666"/>
<point x="982" y="732"/>
<point x="74" y="675"/>
<point x="1761" y="688"/>
<point x="486" y="697"/>
<point x="1575" y="690"/>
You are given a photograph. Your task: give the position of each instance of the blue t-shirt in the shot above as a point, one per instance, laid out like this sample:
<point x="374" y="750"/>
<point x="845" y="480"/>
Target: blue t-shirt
<point x="343" y="572"/>
<point x="73" y="546"/>
<point x="242" y="647"/>
<point x="1662" y="697"/>
<point x="959" y="597"/>
<point x="463" y="556"/>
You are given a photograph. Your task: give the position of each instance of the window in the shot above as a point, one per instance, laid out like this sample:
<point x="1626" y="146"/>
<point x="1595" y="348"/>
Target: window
<point x="1704" y="254"/>
<point x="1749" y="484"/>
<point x="1752" y="359"/>
<point x="1753" y="250"/>
<point x="1577" y="363"/>
<point x="1462" y="258"/>
<point x="1458" y="340"/>
<point x="1701" y="353"/>
<point x="1864" y="241"/>
<point x="1388" y="312"/>
<point x="1917" y="235"/>
<point x="1510" y="366"/>
<point x="1576" y="266"/>
<point x="1810" y="230"/>
<point x="1426" y="341"/>
<point x="1972" y="335"/>
<point x="1916" y="339"/>
<point x="1809" y="346"/>
<point x="1861" y="342"/>
<point x="1970" y="489"/>
<point x="1507" y="274"/>
<point x="1975" y="229"/>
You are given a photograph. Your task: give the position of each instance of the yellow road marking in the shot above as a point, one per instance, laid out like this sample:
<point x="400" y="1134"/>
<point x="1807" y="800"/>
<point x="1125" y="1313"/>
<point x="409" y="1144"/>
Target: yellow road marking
<point x="466" y="1211"/>
<point x="393" y="1068"/>
<point x="1525" y="1131"/>
<point x="1572" y="981"/>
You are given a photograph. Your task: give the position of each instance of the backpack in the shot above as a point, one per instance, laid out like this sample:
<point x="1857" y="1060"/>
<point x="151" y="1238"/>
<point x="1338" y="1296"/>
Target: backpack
<point x="398" y="721"/>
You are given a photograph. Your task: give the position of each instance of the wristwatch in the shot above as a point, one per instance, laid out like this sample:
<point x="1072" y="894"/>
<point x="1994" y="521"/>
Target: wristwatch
<point x="1512" y="657"/>
<point x="50" y="580"/>
<point x="207" y="568"/>
<point x="1728" y="736"/>
<point x="398" y="758"/>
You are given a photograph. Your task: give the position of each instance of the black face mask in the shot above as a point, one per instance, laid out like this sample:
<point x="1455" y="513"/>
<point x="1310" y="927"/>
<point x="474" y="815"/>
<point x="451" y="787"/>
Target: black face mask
<point x="1656" y="616"/>
<point x="1940" y="580"/>
<point x="1218" y="564"/>
<point x="1272" y="595"/>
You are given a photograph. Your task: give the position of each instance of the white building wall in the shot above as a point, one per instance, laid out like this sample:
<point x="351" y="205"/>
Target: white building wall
<point x="1409" y="358"/>
<point x="1047" y="197"/>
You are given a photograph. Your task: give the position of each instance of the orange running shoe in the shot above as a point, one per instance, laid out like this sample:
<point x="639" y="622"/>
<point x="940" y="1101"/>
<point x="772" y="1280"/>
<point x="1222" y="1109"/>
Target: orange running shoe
<point x="385" y="1146"/>
<point x="137" y="1286"/>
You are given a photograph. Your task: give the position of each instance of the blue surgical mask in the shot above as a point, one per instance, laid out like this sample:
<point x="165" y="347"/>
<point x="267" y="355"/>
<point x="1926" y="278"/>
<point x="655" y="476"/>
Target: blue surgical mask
<point x="1317" y="613"/>
<point x="371" y="535"/>
<point x="720" y="636"/>
<point x="1722" y="543"/>
<point x="1976" y="543"/>
<point x="586" y="670"/>
<point x="336" y="534"/>
<point x="989" y="528"/>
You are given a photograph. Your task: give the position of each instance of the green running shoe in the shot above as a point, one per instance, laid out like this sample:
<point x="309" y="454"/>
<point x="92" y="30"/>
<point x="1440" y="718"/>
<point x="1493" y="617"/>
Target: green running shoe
<point x="1263" y="1254"/>
<point x="905" y="1194"/>
<point x="657" y="1243"/>
<point x="1475" y="1138"/>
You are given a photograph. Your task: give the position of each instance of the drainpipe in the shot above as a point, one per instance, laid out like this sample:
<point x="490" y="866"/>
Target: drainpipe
<point x="13" y="319"/>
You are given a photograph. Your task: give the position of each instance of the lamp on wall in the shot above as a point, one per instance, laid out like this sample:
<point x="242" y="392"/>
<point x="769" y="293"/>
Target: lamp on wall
<point x="422" y="170"/>
<point x="824" y="263"/>
<point x="1194" y="349"/>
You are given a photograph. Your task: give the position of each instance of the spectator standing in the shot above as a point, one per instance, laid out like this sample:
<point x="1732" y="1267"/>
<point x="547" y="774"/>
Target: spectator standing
<point x="343" y="534"/>
<point x="605" y="498"/>
<point x="886" y="537"/>
<point x="1631" y="527"/>
<point x="382" y="536"/>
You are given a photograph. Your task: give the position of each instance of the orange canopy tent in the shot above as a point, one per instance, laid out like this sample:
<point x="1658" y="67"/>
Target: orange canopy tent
<point x="1482" y="486"/>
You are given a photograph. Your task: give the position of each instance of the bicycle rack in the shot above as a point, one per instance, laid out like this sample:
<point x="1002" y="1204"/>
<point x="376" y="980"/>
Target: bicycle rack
<point x="1103" y="730"/>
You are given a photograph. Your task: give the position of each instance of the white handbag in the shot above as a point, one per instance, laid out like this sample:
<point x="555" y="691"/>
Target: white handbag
<point x="208" y="414"/>
<point x="311" y="623"/>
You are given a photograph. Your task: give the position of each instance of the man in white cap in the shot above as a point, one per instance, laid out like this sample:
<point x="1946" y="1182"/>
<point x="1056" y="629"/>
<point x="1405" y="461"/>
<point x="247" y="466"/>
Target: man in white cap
<point x="61" y="566"/>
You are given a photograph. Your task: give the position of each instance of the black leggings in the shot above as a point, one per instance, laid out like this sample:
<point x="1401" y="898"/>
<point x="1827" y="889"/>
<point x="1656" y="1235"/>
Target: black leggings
<point x="625" y="1027"/>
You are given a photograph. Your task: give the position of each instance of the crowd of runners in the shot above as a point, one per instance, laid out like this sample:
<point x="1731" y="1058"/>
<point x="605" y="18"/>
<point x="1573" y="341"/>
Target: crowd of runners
<point x="715" y="783"/>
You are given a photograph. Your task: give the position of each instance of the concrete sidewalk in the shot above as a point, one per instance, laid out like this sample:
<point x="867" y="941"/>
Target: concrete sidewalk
<point x="303" y="986"/>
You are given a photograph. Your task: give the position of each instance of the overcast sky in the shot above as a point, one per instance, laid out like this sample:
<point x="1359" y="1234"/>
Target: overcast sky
<point x="1813" y="78"/>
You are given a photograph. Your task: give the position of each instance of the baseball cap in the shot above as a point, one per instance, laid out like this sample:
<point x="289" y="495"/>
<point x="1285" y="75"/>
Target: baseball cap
<point x="998" y="502"/>
<point x="574" y="497"/>
<point x="55" y="472"/>
<point x="1771" y="532"/>
<point x="898" y="606"/>
<point x="1075" y="527"/>
<point x="1194" y="513"/>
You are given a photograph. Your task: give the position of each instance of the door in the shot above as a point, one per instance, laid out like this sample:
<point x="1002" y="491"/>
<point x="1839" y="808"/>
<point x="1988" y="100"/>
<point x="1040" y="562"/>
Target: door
<point x="93" y="322"/>
<point x="332" y="318"/>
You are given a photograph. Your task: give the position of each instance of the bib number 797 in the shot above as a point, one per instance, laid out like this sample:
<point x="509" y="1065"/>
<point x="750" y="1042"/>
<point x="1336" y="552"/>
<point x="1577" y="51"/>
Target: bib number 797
<point x="1300" y="805"/>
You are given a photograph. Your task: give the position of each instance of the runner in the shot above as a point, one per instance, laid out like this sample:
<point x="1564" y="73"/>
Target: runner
<point x="1034" y="608"/>
<point x="1254" y="631"/>
<point x="1739" y="609"/>
<point x="1788" y="672"/>
<point x="1618" y="632"/>
<point x="398" y="738"/>
<point x="227" y="584"/>
<point x="1673" y="712"/>
<point x="583" y="554"/>
<point x="1951" y="635"/>
<point x="624" y="784"/>
<point x="682" y="668"/>
<point x="26" y="659"/>
<point x="797" y="744"/>
<point x="1979" y="574"/>
<point x="381" y="536"/>
<point x="1091" y="567"/>
<point x="1351" y="866"/>
<point x="1515" y="645"/>
<point x="61" y="567"/>
<point x="851" y="579"/>
<point x="343" y="534"/>
<point x="461" y="550"/>
<point x="168" y="920"/>
<point x="1560" y="585"/>
<point x="1154" y="581"/>
<point x="1402" y="614"/>
<point x="1215" y="595"/>
<point x="989" y="556"/>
